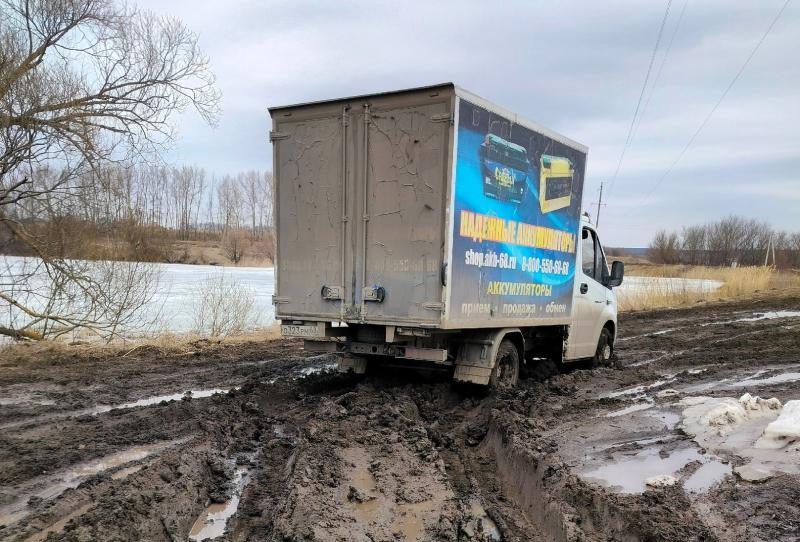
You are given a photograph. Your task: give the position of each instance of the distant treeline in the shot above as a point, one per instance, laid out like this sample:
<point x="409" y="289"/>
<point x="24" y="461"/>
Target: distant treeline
<point x="732" y="239"/>
<point x="138" y="213"/>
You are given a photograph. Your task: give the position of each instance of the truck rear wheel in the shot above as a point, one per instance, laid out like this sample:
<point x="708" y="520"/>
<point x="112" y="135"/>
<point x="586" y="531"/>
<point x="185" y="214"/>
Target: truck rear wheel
<point x="506" y="366"/>
<point x="604" y="356"/>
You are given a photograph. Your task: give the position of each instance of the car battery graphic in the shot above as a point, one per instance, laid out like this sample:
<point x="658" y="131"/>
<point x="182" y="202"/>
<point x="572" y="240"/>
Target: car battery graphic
<point x="555" y="183"/>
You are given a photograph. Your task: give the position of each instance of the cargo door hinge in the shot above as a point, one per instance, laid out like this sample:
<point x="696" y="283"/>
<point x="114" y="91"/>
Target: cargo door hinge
<point x="280" y="300"/>
<point x="444" y="117"/>
<point x="276" y="136"/>
<point x="433" y="306"/>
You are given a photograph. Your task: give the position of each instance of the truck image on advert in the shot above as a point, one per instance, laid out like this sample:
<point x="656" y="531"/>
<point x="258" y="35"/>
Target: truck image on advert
<point x="504" y="166"/>
<point x="429" y="228"/>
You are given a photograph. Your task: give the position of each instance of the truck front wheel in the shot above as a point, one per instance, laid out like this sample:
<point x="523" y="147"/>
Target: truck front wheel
<point x="604" y="356"/>
<point x="506" y="366"/>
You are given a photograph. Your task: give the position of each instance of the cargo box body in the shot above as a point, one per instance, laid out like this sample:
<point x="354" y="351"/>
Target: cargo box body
<point x="425" y="208"/>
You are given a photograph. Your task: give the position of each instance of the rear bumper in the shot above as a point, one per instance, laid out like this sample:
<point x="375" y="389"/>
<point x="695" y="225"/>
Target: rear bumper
<point x="434" y="355"/>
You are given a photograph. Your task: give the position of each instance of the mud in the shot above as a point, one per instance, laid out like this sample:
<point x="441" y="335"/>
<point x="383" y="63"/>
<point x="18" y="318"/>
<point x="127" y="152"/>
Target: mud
<point x="273" y="445"/>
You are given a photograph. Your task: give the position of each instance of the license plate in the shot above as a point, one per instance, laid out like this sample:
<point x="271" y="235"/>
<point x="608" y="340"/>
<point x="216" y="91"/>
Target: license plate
<point x="297" y="330"/>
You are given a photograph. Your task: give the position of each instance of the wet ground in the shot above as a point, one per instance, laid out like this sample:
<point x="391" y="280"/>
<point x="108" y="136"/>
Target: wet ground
<point x="272" y="445"/>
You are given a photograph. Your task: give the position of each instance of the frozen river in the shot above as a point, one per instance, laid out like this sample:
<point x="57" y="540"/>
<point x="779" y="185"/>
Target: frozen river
<point x="633" y="287"/>
<point x="179" y="292"/>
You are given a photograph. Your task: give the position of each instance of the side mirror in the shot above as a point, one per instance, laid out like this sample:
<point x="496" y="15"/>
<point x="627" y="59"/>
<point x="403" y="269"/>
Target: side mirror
<point x="617" y="272"/>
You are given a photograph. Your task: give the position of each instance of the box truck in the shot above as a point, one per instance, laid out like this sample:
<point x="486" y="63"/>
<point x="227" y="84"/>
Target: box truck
<point x="428" y="227"/>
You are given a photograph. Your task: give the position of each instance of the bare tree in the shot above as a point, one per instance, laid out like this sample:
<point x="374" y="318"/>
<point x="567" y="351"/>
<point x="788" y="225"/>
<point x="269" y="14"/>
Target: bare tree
<point x="694" y="245"/>
<point x="229" y="203"/>
<point x="186" y="191"/>
<point x="733" y="238"/>
<point x="664" y="248"/>
<point x="234" y="244"/>
<point x="83" y="83"/>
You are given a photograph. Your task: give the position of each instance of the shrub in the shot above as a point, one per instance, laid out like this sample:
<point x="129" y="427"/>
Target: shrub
<point x="225" y="307"/>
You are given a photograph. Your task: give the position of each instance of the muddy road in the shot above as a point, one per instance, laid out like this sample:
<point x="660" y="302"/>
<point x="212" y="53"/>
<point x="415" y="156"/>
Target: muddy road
<point x="272" y="445"/>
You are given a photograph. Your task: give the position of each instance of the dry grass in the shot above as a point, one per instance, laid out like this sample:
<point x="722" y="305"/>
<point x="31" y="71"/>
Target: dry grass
<point x="736" y="282"/>
<point x="166" y="344"/>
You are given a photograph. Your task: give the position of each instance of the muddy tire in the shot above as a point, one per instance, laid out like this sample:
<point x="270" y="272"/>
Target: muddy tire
<point x="604" y="355"/>
<point x="506" y="366"/>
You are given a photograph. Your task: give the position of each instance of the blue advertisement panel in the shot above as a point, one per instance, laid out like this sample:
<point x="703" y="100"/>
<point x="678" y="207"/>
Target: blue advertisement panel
<point x="517" y="214"/>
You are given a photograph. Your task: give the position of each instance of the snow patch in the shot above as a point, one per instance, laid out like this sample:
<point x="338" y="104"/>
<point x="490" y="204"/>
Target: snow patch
<point x="783" y="431"/>
<point x="739" y="427"/>
<point x="724" y="415"/>
<point x="662" y="480"/>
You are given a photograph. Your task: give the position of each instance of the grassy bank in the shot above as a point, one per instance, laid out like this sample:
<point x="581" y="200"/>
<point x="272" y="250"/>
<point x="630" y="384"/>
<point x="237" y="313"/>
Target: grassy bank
<point x="736" y="282"/>
<point x="169" y="344"/>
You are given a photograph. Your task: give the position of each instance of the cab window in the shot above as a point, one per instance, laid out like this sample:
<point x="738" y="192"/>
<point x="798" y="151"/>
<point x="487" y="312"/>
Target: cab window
<point x="593" y="261"/>
<point x="587" y="252"/>
<point x="601" y="268"/>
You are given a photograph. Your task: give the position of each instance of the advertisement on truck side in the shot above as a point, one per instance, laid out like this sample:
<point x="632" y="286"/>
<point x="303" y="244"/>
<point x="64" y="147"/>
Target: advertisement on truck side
<point x="517" y="213"/>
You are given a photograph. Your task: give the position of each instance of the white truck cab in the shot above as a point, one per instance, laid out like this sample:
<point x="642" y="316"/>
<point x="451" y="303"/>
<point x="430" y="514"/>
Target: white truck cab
<point x="594" y="300"/>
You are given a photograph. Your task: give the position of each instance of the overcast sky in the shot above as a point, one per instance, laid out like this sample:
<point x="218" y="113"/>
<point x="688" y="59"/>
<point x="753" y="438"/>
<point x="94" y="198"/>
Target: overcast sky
<point x="575" y="67"/>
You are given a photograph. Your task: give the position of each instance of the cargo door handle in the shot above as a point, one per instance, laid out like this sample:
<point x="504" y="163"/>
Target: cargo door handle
<point x="584" y="287"/>
<point x="373" y="293"/>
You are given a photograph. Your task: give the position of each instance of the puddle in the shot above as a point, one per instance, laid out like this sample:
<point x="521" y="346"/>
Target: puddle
<point x="637" y="391"/>
<point x="629" y="473"/>
<point x="121" y="474"/>
<point x="670" y="419"/>
<point x="488" y="527"/>
<point x="628" y="410"/>
<point x="361" y="490"/>
<point x="752" y="380"/>
<point x="25" y="400"/>
<point x="660" y="439"/>
<point x="664" y="355"/>
<point x="308" y="371"/>
<point x="400" y="499"/>
<point x="212" y="522"/>
<point x="706" y="476"/>
<point x="653" y="334"/>
<point x="776" y="379"/>
<point x="150" y="401"/>
<point x="102" y="409"/>
<point x="49" y="487"/>
<point x="363" y="481"/>
<point x="769" y="315"/>
<point x="410" y="522"/>
<point x="59" y="525"/>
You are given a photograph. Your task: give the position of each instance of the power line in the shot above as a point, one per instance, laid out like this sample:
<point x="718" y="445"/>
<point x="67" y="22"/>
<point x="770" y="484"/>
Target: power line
<point x="716" y="105"/>
<point x="660" y="68"/>
<point x="599" y="204"/>
<point x="641" y="95"/>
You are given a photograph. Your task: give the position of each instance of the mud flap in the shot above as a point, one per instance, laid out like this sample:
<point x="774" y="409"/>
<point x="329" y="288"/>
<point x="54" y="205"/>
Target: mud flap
<point x="351" y="364"/>
<point x="472" y="374"/>
<point x="477" y="354"/>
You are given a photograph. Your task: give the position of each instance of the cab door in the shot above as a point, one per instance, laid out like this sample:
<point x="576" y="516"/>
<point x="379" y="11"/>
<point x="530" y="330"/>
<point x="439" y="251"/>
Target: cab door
<point x="590" y="298"/>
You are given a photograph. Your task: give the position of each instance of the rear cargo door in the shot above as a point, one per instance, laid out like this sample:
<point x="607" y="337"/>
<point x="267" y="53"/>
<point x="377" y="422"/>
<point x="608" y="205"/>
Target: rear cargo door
<point x="309" y="179"/>
<point x="402" y="158"/>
